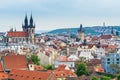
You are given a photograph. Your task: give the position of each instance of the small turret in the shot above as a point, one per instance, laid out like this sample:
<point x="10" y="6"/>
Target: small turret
<point x="112" y="31"/>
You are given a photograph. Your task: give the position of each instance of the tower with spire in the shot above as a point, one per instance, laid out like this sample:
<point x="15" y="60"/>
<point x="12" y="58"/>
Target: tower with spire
<point x="30" y="28"/>
<point x="81" y="33"/>
<point x="112" y="31"/>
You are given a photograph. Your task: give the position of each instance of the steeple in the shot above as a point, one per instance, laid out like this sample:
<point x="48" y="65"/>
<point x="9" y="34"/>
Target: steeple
<point x="117" y="33"/>
<point x="31" y="21"/>
<point x="81" y="28"/>
<point x="26" y="21"/>
<point x="112" y="31"/>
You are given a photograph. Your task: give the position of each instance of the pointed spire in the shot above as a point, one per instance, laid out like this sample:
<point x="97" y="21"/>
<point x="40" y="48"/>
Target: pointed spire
<point x="15" y="29"/>
<point x="81" y="28"/>
<point x="117" y="33"/>
<point x="26" y="20"/>
<point x="112" y="31"/>
<point x="31" y="20"/>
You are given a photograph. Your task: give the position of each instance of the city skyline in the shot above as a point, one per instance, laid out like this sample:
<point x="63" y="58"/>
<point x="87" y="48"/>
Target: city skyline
<point x="54" y="14"/>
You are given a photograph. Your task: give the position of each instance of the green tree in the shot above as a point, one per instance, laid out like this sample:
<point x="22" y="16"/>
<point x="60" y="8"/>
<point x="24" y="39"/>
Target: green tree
<point x="35" y="59"/>
<point x="94" y="78"/>
<point x="49" y="67"/>
<point x="105" y="78"/>
<point x="118" y="77"/>
<point x="82" y="69"/>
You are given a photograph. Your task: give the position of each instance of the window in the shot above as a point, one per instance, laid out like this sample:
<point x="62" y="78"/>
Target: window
<point x="117" y="62"/>
<point x="108" y="59"/>
<point x="19" y="39"/>
<point x="32" y="31"/>
<point x="117" y="59"/>
<point x="108" y="62"/>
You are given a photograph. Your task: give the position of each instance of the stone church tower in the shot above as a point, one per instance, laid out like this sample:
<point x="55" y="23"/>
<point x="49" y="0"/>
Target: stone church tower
<point x="30" y="28"/>
<point x="81" y="33"/>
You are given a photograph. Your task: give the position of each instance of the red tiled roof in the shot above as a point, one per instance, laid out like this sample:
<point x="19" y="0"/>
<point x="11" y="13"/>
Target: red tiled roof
<point x="63" y="58"/>
<point x="94" y="62"/>
<point x="3" y="76"/>
<point x="64" y="73"/>
<point x="14" y="62"/>
<point x="38" y="67"/>
<point x="99" y="69"/>
<point x="17" y="34"/>
<point x="106" y="36"/>
<point x="95" y="38"/>
<point x="30" y="75"/>
<point x="113" y="47"/>
<point x="61" y="67"/>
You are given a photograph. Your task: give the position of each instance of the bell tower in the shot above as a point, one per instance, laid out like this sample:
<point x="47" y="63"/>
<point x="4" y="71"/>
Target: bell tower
<point x="81" y="33"/>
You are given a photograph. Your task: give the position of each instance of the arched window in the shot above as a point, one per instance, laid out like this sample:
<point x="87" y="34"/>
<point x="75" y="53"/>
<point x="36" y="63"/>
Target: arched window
<point x="32" y="31"/>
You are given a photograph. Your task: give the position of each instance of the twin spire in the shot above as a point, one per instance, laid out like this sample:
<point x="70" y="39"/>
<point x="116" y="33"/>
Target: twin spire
<point x="30" y="25"/>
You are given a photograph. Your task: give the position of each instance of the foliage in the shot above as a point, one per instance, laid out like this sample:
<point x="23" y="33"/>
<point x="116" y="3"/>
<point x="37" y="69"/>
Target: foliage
<point x="80" y="60"/>
<point x="82" y="69"/>
<point x="94" y="78"/>
<point x="105" y="74"/>
<point x="35" y="59"/>
<point x="105" y="78"/>
<point x="49" y="67"/>
<point x="118" y="77"/>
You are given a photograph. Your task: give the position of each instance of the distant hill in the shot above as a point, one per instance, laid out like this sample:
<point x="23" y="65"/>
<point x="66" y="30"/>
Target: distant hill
<point x="95" y="30"/>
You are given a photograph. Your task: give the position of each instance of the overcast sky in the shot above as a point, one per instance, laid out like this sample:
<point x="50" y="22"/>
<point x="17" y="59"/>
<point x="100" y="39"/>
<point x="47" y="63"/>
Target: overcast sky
<point x="53" y="14"/>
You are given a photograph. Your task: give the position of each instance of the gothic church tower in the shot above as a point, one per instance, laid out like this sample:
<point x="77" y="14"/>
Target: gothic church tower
<point x="30" y="28"/>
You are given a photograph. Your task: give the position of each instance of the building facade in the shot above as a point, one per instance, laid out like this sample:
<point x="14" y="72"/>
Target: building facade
<point x="109" y="61"/>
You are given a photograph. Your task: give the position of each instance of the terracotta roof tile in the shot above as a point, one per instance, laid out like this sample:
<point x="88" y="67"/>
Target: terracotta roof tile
<point x="64" y="73"/>
<point x="38" y="67"/>
<point x="29" y="75"/>
<point x="14" y="62"/>
<point x="17" y="34"/>
<point x="106" y="36"/>
<point x="63" y="58"/>
<point x="3" y="75"/>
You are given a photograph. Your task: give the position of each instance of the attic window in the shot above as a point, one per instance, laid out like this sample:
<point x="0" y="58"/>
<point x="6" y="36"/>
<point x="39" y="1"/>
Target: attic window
<point x="11" y="74"/>
<point x="33" y="77"/>
<point x="16" y="75"/>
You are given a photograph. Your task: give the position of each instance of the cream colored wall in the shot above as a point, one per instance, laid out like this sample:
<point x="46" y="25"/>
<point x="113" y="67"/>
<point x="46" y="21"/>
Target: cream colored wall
<point x="81" y="35"/>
